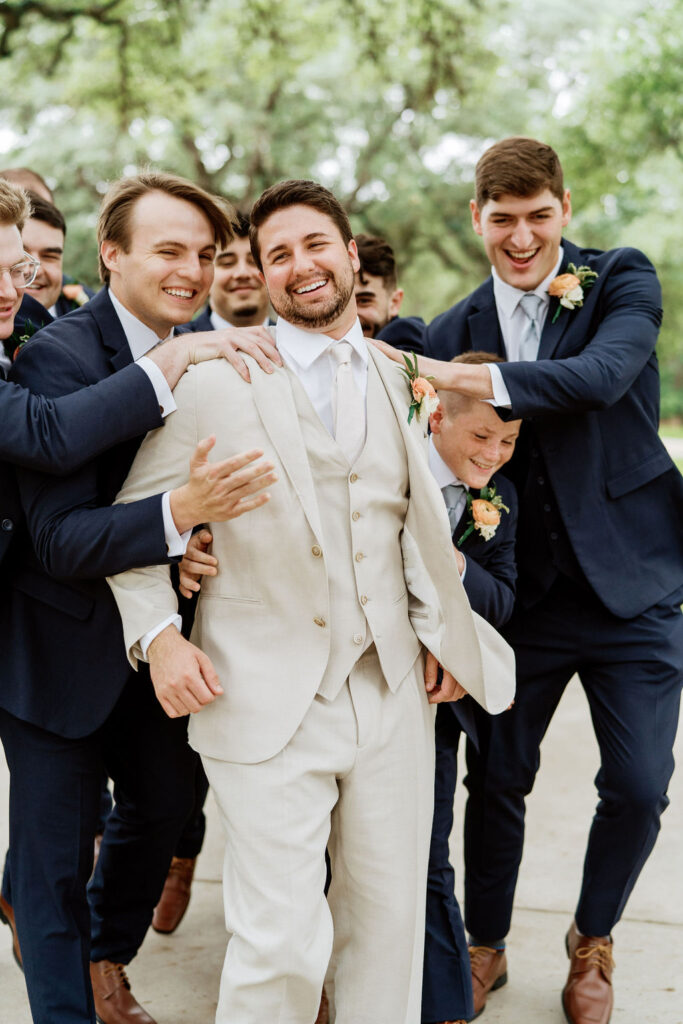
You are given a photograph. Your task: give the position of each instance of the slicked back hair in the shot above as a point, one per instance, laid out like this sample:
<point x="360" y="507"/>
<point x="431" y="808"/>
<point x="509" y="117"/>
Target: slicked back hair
<point x="114" y="222"/>
<point x="296" y="192"/>
<point x="377" y="259"/>
<point x="517" y="166"/>
<point x="15" y="205"/>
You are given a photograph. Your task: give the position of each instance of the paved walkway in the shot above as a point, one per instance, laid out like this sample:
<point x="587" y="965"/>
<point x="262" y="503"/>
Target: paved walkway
<point x="176" y="977"/>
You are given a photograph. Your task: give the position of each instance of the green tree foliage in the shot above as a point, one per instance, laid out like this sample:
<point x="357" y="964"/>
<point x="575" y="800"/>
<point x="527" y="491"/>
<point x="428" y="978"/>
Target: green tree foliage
<point x="389" y="102"/>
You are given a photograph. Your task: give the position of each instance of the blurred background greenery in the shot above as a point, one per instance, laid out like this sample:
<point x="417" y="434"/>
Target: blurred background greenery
<point x="388" y="102"/>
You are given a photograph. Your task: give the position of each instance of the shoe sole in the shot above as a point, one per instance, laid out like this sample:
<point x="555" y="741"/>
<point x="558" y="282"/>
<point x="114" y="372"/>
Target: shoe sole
<point x="498" y="983"/>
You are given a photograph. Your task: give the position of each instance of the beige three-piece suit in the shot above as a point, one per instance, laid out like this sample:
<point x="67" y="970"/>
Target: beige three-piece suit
<point x="315" y="625"/>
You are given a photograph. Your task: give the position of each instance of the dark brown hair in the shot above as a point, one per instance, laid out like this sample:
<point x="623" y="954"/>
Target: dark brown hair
<point x="297" y="192"/>
<point x="477" y="358"/>
<point x="518" y="167"/>
<point x="377" y="259"/>
<point x="47" y="212"/>
<point x="113" y="224"/>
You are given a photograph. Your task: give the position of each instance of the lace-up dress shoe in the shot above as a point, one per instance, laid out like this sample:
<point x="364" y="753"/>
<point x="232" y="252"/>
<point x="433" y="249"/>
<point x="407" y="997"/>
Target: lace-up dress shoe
<point x="175" y="896"/>
<point x="489" y="972"/>
<point x="588" y="997"/>
<point x="114" y="1001"/>
<point x="7" y="916"/>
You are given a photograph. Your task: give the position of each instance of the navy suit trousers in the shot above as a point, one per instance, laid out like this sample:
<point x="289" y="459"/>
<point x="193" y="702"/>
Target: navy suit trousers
<point x="446" y="982"/>
<point x="55" y="793"/>
<point x="631" y="671"/>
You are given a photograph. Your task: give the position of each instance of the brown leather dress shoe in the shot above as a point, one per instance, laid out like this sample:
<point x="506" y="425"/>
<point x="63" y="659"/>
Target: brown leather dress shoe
<point x="114" y="1001"/>
<point x="588" y="997"/>
<point x="7" y="916"/>
<point x="175" y="896"/>
<point x="489" y="972"/>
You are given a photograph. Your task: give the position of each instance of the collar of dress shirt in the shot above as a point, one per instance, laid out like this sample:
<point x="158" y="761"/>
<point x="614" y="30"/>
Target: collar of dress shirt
<point x="304" y="347"/>
<point x="442" y="473"/>
<point x="218" y="322"/>
<point x="507" y="298"/>
<point x="141" y="338"/>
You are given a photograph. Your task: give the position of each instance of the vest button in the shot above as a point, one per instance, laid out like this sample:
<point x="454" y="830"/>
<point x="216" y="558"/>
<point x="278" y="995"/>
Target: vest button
<point x="359" y="556"/>
<point x="353" y="478"/>
<point x="357" y="638"/>
<point x="7" y="525"/>
<point x="546" y="508"/>
<point x="355" y="516"/>
<point x="315" y="550"/>
<point x="363" y="599"/>
<point x="553" y="536"/>
<point x="540" y="480"/>
<point x="320" y="622"/>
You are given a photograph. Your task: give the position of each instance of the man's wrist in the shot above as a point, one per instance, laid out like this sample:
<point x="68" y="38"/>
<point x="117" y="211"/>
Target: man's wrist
<point x="182" y="511"/>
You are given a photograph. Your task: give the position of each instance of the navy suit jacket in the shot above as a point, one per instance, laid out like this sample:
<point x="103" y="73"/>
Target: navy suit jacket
<point x="404" y="332"/>
<point x="66" y="663"/>
<point x="592" y="402"/>
<point x="489" y="582"/>
<point x="203" y="322"/>
<point x="58" y="435"/>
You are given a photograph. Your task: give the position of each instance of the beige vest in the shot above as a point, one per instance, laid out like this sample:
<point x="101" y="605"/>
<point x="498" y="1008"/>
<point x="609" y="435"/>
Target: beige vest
<point x="362" y="511"/>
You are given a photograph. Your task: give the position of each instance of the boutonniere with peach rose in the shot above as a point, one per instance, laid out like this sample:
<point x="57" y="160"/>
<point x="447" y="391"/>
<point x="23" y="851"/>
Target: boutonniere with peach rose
<point x="75" y="293"/>
<point x="569" y="288"/>
<point x="423" y="398"/>
<point x="485" y="513"/>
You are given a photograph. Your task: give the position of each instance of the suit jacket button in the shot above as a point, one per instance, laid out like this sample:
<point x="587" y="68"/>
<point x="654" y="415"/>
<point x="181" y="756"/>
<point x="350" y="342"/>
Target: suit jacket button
<point x="540" y="480"/>
<point x="315" y="550"/>
<point x="553" y="536"/>
<point x="355" y="516"/>
<point x="7" y="525"/>
<point x="320" y="622"/>
<point x="546" y="508"/>
<point x="353" y="477"/>
<point x="357" y="639"/>
<point x="363" y="599"/>
<point x="359" y="556"/>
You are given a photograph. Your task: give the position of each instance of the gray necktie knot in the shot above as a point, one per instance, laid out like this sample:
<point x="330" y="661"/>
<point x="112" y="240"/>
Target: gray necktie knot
<point x="531" y="305"/>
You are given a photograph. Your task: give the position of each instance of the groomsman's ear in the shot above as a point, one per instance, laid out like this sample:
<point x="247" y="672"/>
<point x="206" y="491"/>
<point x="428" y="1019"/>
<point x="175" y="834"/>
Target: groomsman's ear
<point x="109" y="252"/>
<point x="395" y="302"/>
<point x="476" y="216"/>
<point x="353" y="254"/>
<point x="566" y="207"/>
<point x="436" y="419"/>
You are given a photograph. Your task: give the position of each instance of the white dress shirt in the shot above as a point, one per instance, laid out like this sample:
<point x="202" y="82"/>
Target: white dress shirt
<point x="308" y="356"/>
<point x="444" y="476"/>
<point x="513" y="320"/>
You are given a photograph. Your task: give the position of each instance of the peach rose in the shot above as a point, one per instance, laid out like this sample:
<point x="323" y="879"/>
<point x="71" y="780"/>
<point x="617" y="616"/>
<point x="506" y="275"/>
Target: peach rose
<point x="563" y="284"/>
<point x="422" y="388"/>
<point x="75" y="293"/>
<point x="485" y="512"/>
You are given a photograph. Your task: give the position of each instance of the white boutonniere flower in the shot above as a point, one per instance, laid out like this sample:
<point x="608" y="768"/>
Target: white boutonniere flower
<point x="569" y="288"/>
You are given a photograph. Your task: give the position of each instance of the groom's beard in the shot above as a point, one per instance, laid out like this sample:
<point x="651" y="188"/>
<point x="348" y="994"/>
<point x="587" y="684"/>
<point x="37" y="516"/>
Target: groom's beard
<point x="308" y="315"/>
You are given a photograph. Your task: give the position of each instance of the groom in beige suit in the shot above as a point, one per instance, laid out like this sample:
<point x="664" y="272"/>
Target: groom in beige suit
<point x="306" y="659"/>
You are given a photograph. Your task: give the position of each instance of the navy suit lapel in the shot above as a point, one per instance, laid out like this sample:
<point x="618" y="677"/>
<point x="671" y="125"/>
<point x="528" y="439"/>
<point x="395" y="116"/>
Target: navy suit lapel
<point x="485" y="335"/>
<point x="553" y="332"/>
<point x="112" y="335"/>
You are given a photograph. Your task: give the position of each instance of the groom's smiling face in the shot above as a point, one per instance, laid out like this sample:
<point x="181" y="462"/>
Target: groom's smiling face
<point x="522" y="235"/>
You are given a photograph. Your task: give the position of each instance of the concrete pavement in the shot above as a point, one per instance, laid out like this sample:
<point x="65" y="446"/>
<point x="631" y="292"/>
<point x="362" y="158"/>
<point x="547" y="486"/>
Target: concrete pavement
<point x="176" y="977"/>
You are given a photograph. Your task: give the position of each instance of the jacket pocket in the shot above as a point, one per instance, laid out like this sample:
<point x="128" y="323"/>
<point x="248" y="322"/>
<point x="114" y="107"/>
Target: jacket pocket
<point x="628" y="480"/>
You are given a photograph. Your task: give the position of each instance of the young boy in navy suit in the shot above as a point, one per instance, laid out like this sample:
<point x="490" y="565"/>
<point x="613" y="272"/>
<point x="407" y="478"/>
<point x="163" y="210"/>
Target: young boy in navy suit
<point x="469" y="443"/>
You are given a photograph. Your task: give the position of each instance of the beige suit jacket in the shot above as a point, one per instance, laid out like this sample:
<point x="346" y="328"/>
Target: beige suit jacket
<point x="256" y="619"/>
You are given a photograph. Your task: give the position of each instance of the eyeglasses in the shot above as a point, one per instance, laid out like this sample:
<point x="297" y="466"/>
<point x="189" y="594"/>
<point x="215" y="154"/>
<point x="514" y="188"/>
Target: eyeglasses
<point x="22" y="274"/>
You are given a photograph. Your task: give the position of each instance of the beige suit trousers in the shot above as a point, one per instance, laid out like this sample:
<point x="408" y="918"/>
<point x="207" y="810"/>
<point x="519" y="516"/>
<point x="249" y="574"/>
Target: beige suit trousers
<point x="359" y="774"/>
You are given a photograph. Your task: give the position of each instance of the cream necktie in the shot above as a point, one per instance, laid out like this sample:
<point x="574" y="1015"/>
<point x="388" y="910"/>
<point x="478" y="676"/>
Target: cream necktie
<point x="531" y="336"/>
<point x="349" y="407"/>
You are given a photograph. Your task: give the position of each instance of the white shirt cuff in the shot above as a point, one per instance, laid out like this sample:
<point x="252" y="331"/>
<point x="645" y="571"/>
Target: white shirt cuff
<point x="160" y="385"/>
<point x="501" y="395"/>
<point x="144" y="642"/>
<point x="176" y="543"/>
<point x="462" y="574"/>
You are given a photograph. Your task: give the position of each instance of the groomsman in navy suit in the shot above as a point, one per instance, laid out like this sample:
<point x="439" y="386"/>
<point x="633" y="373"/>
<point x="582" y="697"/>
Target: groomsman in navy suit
<point x="379" y="297"/>
<point x="468" y="445"/>
<point x="70" y="707"/>
<point x="599" y="548"/>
